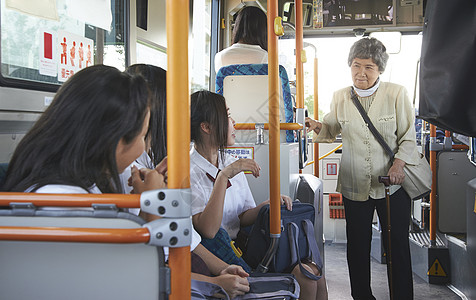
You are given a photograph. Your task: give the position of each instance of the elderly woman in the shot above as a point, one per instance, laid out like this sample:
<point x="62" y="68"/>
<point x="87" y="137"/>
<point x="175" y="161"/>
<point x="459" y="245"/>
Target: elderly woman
<point x="250" y="40"/>
<point x="364" y="159"/>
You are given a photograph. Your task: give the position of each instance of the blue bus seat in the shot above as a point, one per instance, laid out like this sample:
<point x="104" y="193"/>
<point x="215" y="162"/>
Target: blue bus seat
<point x="68" y="270"/>
<point x="260" y="69"/>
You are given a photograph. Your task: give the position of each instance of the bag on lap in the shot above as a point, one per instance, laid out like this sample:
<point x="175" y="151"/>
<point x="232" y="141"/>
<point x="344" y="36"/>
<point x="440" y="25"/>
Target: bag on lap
<point x="262" y="286"/>
<point x="296" y="245"/>
<point x="207" y="290"/>
<point x="271" y="286"/>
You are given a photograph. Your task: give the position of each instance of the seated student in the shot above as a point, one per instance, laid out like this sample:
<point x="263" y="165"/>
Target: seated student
<point x="205" y="265"/>
<point x="221" y="196"/>
<point x="93" y="130"/>
<point x="250" y="40"/>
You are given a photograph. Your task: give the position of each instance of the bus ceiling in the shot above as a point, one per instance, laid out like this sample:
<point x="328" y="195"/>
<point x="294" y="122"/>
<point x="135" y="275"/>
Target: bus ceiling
<point x="343" y="17"/>
<point x="334" y="17"/>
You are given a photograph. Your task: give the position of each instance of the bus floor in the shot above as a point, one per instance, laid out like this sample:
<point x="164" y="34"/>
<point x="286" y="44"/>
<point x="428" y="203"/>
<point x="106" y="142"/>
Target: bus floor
<point x="339" y="286"/>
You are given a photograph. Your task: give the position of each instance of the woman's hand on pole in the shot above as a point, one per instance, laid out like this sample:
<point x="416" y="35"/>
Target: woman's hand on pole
<point x="313" y="125"/>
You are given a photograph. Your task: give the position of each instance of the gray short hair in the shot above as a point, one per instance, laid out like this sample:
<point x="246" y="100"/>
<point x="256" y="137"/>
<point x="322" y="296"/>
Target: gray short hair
<point x="369" y="48"/>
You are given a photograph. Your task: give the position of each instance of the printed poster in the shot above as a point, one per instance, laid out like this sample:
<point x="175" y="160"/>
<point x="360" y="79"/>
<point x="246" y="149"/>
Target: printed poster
<point x="74" y="53"/>
<point x="48" y="54"/>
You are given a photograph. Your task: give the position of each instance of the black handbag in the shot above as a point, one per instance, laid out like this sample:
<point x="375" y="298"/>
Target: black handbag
<point x="417" y="182"/>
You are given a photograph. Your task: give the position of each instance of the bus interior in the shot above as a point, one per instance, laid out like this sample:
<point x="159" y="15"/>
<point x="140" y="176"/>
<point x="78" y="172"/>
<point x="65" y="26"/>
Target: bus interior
<point x="36" y="58"/>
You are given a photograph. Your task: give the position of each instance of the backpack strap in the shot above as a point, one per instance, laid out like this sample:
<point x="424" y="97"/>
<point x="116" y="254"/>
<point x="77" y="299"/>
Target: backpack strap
<point x="294" y="247"/>
<point x="312" y="244"/>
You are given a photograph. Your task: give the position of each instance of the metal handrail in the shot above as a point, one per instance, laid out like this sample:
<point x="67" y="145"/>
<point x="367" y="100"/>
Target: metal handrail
<point x="70" y="200"/>
<point x="282" y="126"/>
<point x="78" y="235"/>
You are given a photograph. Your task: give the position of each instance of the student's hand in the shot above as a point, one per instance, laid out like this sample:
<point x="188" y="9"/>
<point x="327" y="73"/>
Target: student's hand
<point x="244" y="164"/>
<point x="312" y="124"/>
<point x="234" y="270"/>
<point x="396" y="173"/>
<point x="287" y="201"/>
<point x="146" y="179"/>
<point x="162" y="168"/>
<point x="234" y="285"/>
<point x="284" y="200"/>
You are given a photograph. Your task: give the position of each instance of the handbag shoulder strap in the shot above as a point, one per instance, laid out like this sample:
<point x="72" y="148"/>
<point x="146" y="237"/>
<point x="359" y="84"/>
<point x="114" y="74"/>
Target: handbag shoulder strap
<point x="371" y="126"/>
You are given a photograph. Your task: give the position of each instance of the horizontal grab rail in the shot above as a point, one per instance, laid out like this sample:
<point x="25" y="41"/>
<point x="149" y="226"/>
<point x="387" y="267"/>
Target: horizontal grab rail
<point x="78" y="235"/>
<point x="325" y="155"/>
<point x="460" y="147"/>
<point x="70" y="200"/>
<point x="282" y="126"/>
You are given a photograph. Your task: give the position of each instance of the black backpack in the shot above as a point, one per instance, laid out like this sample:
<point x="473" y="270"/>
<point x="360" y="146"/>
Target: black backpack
<point x="297" y="243"/>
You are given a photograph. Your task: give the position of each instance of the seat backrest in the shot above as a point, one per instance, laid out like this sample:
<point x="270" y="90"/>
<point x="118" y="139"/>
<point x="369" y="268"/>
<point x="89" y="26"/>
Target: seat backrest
<point x="67" y="270"/>
<point x="3" y="173"/>
<point x="245" y="88"/>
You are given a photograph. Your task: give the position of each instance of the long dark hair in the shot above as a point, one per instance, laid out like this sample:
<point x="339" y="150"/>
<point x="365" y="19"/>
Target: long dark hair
<point x="75" y="140"/>
<point x="157" y="134"/>
<point x="210" y="108"/>
<point x="251" y="27"/>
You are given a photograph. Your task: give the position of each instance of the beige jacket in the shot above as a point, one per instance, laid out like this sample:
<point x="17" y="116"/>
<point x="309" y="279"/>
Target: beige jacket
<point x="363" y="159"/>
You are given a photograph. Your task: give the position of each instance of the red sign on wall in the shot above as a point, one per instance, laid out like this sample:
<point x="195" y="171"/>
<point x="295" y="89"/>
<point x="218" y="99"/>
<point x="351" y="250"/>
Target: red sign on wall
<point x="331" y="169"/>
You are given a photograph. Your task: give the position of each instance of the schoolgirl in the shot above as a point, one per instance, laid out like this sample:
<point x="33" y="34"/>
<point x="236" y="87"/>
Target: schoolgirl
<point x="221" y="197"/>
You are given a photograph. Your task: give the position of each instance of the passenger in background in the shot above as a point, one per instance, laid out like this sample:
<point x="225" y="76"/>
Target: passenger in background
<point x="94" y="128"/>
<point x="364" y="159"/>
<point x="221" y="196"/>
<point x="250" y="40"/>
<point x="205" y="266"/>
<point x="156" y="138"/>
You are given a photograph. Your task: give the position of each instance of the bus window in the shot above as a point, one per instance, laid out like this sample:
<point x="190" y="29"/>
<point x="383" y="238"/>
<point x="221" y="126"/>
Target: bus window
<point x="199" y="48"/>
<point x="51" y="45"/>
<point x="147" y="53"/>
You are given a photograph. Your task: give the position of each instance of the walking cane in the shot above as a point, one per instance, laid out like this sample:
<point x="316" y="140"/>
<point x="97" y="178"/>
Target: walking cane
<point x="386" y="181"/>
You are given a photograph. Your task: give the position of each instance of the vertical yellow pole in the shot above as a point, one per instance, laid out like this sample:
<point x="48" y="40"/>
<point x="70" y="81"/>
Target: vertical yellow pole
<point x="178" y="131"/>
<point x="273" y="92"/>
<point x="316" y="116"/>
<point x="433" y="188"/>
<point x="299" y="52"/>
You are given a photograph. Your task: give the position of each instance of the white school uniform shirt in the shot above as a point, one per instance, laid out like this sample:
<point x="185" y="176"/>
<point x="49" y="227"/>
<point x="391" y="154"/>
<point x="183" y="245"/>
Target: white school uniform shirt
<point x="238" y="197"/>
<point x="66" y="189"/>
<point x="70" y="189"/>
<point x="240" y="54"/>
